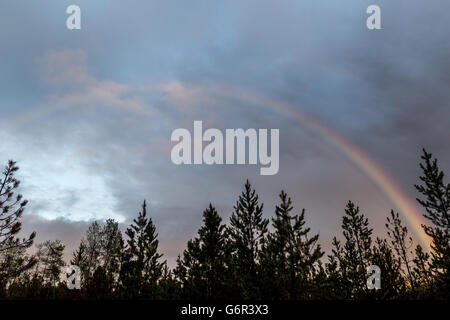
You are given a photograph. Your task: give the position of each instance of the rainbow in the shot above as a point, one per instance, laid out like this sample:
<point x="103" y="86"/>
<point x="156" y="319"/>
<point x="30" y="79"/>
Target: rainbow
<point x="388" y="186"/>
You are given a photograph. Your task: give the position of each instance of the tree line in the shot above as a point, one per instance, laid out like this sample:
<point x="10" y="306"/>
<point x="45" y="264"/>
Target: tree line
<point x="242" y="259"/>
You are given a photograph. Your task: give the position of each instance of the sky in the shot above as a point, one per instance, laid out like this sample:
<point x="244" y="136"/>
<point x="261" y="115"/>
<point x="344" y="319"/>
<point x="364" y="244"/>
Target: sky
<point x="88" y="114"/>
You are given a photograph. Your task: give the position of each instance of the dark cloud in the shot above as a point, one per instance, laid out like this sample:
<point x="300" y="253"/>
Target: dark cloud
<point x="89" y="114"/>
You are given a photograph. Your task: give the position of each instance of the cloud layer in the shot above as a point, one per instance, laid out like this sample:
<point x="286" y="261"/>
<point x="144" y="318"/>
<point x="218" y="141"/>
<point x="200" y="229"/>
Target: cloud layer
<point x="88" y="114"/>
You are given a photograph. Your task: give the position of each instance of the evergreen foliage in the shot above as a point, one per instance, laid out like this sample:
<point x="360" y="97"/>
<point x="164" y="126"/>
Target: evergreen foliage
<point x="244" y="259"/>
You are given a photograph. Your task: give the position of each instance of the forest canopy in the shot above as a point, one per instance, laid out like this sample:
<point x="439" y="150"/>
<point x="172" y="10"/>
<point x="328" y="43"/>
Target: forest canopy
<point x="250" y="257"/>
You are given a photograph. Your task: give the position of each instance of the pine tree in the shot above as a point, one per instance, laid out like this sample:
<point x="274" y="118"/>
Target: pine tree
<point x="355" y="255"/>
<point x="14" y="263"/>
<point x="247" y="230"/>
<point x="141" y="267"/>
<point x="290" y="256"/>
<point x="203" y="270"/>
<point x="11" y="210"/>
<point x="436" y="202"/>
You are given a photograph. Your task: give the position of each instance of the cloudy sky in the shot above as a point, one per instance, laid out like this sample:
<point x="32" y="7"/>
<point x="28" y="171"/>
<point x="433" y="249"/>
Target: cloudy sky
<point x="88" y="114"/>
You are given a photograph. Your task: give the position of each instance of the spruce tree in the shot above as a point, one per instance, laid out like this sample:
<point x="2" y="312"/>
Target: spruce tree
<point x="247" y="230"/>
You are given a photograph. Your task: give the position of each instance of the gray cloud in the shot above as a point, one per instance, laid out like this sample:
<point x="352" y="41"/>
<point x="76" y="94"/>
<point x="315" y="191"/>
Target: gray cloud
<point x="89" y="114"/>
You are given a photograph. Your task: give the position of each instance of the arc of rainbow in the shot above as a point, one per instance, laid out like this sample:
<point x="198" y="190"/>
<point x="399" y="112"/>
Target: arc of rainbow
<point x="388" y="186"/>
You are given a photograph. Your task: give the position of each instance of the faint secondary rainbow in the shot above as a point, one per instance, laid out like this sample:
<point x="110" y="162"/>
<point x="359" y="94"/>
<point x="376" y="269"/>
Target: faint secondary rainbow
<point x="381" y="179"/>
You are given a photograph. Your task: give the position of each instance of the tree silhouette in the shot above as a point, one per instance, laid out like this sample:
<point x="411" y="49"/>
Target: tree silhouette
<point x="50" y="259"/>
<point x="102" y="247"/>
<point x="203" y="270"/>
<point x="88" y="255"/>
<point x="241" y="260"/>
<point x="392" y="282"/>
<point x="11" y="210"/>
<point x="422" y="273"/>
<point x="247" y="230"/>
<point x="436" y="202"/>
<point x="353" y="258"/>
<point x="290" y="256"/>
<point x="401" y="242"/>
<point x="112" y="245"/>
<point x="141" y="269"/>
